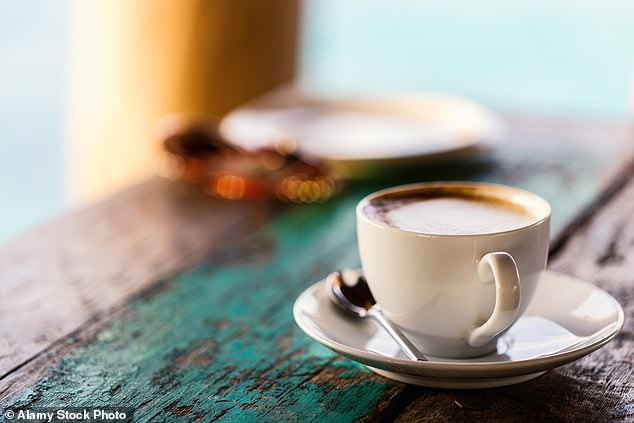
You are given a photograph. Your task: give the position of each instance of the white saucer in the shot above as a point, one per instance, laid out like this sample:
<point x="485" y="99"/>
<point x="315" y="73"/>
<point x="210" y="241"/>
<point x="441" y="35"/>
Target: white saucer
<point x="567" y="319"/>
<point x="360" y="135"/>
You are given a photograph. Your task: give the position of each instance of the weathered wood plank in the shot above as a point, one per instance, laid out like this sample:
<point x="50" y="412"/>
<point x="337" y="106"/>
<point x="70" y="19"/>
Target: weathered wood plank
<point x="77" y="267"/>
<point x="83" y="264"/>
<point x="219" y="341"/>
<point x="226" y="351"/>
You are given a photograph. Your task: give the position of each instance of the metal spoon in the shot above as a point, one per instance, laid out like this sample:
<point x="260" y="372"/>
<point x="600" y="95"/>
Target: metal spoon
<point x="358" y="300"/>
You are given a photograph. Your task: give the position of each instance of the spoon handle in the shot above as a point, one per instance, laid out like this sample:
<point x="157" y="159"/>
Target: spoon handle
<point x="407" y="346"/>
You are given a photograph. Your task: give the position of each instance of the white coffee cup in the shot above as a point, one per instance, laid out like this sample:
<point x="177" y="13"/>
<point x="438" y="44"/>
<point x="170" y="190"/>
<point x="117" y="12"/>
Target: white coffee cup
<point x="454" y="294"/>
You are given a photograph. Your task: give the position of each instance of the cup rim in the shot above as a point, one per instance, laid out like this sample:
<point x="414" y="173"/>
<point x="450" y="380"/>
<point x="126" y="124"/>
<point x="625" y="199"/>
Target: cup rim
<point x="527" y="195"/>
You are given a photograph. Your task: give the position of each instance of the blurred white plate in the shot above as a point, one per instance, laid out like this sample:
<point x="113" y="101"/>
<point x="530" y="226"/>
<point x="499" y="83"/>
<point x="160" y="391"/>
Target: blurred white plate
<point x="362" y="135"/>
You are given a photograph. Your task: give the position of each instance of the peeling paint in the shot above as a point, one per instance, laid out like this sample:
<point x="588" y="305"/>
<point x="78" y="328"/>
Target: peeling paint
<point x="219" y="341"/>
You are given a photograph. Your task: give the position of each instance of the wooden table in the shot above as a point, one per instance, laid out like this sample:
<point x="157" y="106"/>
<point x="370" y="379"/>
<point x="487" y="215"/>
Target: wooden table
<point x="179" y="305"/>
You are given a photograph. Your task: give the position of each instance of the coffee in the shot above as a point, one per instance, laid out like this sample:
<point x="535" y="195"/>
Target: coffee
<point x="449" y="215"/>
<point x="438" y="287"/>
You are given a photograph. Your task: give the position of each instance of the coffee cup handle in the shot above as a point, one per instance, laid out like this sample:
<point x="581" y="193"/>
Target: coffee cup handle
<point x="502" y="267"/>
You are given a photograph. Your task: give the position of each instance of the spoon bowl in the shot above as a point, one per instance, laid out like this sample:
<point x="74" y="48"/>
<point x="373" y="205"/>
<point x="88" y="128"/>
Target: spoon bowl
<point x="349" y="290"/>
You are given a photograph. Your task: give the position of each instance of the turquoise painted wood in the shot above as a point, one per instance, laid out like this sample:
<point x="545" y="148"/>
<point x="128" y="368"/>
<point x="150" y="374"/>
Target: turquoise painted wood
<point x="219" y="341"/>
<point x="222" y="342"/>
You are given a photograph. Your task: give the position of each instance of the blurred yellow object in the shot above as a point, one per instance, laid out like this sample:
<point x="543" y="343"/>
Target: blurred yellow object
<point x="134" y="61"/>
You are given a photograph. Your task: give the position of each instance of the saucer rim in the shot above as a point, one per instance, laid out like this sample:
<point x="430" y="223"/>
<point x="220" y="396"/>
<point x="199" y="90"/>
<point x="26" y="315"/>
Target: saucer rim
<point x="468" y="370"/>
<point x="457" y="383"/>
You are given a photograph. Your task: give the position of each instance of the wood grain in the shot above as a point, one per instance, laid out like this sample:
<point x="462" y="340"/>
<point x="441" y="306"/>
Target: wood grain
<point x="79" y="266"/>
<point x="218" y="342"/>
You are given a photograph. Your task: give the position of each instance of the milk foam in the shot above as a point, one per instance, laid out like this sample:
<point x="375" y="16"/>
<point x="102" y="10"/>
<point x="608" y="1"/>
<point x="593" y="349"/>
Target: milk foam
<point x="454" y="216"/>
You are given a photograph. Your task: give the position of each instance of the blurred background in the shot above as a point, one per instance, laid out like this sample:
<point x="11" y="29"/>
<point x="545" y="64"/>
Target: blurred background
<point x="80" y="81"/>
